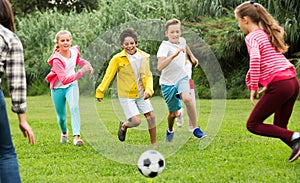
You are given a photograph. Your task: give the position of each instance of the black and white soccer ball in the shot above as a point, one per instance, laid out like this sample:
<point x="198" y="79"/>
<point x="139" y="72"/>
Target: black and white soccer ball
<point x="151" y="163"/>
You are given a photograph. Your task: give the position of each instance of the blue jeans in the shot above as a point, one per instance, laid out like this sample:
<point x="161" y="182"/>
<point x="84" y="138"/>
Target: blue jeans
<point x="71" y="95"/>
<point x="9" y="168"/>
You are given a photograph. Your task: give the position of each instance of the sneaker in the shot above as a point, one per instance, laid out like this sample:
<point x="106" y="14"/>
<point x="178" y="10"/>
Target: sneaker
<point x="296" y="150"/>
<point x="77" y="142"/>
<point x="179" y="119"/>
<point x="169" y="136"/>
<point x="191" y="128"/>
<point x="64" y="138"/>
<point x="121" y="133"/>
<point x="198" y="133"/>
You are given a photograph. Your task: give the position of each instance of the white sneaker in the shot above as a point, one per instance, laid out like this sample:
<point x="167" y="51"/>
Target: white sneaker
<point x="64" y="138"/>
<point x="179" y="119"/>
<point x="77" y="142"/>
<point x="191" y="128"/>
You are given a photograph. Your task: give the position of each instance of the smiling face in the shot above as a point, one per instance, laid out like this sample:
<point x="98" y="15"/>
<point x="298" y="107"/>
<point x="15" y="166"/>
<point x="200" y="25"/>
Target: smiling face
<point x="129" y="45"/>
<point x="64" y="42"/>
<point x="173" y="33"/>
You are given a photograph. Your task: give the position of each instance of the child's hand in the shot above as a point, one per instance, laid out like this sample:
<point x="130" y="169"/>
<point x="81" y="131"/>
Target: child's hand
<point x="178" y="51"/>
<point x="255" y="94"/>
<point x="195" y="61"/>
<point x="88" y="67"/>
<point x="146" y="95"/>
<point x="99" y="99"/>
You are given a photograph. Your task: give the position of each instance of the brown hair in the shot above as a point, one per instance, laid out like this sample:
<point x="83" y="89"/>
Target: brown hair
<point x="258" y="14"/>
<point x="6" y="15"/>
<point x="173" y="21"/>
<point x="128" y="33"/>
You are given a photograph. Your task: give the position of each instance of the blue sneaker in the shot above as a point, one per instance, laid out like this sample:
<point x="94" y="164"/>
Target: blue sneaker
<point x="169" y="136"/>
<point x="198" y="133"/>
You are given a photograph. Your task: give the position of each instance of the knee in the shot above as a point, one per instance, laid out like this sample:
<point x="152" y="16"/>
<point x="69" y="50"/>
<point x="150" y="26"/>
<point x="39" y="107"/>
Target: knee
<point x="187" y="100"/>
<point x="135" y="122"/>
<point x="173" y="114"/>
<point x="251" y="126"/>
<point x="150" y="116"/>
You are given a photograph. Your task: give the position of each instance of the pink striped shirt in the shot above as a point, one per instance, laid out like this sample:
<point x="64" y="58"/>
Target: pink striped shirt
<point x="266" y="62"/>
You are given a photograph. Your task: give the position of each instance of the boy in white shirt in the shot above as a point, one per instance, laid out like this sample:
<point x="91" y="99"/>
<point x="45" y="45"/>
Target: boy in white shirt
<point x="174" y="80"/>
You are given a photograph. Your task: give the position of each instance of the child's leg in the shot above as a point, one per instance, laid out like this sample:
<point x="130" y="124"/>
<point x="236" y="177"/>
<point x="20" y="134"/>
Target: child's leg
<point x="190" y="107"/>
<point x="59" y="101"/>
<point x="73" y="101"/>
<point x="132" y="122"/>
<point x="171" y="119"/>
<point x="193" y="98"/>
<point x="169" y="93"/>
<point x="151" y="127"/>
<point x="276" y="97"/>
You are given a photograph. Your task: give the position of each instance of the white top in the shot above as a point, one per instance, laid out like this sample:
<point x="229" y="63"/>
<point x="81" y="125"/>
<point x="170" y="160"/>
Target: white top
<point x="70" y="68"/>
<point x="135" y="61"/>
<point x="188" y="68"/>
<point x="174" y="71"/>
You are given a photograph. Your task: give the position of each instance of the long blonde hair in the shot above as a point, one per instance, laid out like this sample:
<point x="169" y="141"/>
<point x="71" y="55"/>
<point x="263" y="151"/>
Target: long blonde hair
<point x="57" y="36"/>
<point x="258" y="14"/>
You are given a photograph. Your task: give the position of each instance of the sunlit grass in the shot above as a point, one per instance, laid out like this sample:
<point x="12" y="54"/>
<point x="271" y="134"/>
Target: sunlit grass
<point x="234" y="155"/>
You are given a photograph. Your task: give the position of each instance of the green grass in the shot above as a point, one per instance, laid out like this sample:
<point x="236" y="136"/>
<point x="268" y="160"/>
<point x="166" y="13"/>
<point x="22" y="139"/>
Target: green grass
<point x="233" y="155"/>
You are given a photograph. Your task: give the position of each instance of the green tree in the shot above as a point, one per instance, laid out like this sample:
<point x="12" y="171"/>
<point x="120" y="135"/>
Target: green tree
<point x="24" y="7"/>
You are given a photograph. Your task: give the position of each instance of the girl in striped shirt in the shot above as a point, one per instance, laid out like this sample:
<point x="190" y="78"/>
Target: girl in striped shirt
<point x="270" y="70"/>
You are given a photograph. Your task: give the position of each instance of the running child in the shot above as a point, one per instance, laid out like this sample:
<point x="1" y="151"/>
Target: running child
<point x="63" y="83"/>
<point x="272" y="71"/>
<point x="135" y="85"/>
<point x="174" y="80"/>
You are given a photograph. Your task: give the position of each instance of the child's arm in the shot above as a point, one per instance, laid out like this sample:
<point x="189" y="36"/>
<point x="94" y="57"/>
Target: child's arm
<point x="193" y="58"/>
<point x="108" y="77"/>
<point x="164" y="61"/>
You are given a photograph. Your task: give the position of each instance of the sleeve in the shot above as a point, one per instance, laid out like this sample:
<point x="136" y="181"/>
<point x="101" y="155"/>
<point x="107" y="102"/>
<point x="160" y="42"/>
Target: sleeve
<point x="59" y="68"/>
<point x="16" y="76"/>
<point x="108" y="77"/>
<point x="162" y="51"/>
<point x="253" y="74"/>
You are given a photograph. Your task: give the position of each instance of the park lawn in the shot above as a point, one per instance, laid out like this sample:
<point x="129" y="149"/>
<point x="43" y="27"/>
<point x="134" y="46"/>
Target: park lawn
<point x="231" y="155"/>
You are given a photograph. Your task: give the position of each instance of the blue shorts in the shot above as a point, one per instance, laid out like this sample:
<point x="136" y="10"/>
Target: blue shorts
<point x="171" y="93"/>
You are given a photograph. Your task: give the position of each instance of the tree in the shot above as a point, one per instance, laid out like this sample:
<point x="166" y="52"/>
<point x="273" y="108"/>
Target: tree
<point x="24" y="7"/>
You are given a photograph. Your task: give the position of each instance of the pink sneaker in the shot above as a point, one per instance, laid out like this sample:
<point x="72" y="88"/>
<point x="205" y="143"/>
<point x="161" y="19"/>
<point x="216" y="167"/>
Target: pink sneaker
<point x="77" y="142"/>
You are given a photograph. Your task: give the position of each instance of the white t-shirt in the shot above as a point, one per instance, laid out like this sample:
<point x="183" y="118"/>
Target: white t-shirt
<point x="188" y="69"/>
<point x="135" y="61"/>
<point x="175" y="71"/>
<point x="70" y="68"/>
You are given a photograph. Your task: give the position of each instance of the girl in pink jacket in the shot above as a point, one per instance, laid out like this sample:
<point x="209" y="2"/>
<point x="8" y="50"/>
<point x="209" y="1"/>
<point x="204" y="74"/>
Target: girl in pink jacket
<point x="63" y="83"/>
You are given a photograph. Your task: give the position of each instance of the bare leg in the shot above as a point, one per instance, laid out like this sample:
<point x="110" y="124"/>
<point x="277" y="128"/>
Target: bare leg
<point x="190" y="107"/>
<point x="171" y="119"/>
<point x="132" y="122"/>
<point x="151" y="127"/>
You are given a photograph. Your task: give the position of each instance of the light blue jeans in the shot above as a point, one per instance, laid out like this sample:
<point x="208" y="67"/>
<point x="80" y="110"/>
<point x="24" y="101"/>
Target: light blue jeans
<point x="9" y="168"/>
<point x="71" y="95"/>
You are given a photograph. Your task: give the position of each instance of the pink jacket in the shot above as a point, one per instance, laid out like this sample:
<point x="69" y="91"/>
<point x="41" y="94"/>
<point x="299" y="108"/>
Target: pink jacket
<point x="58" y="69"/>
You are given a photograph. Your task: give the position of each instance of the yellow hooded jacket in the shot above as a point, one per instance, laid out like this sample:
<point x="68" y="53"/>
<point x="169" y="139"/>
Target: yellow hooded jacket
<point x="126" y="80"/>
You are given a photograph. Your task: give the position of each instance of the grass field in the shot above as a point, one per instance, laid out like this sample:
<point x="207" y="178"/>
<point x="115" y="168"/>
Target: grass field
<point x="231" y="153"/>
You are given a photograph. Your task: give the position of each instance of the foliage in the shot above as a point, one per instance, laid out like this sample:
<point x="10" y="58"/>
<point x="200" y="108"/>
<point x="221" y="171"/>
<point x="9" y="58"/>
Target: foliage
<point x="24" y="7"/>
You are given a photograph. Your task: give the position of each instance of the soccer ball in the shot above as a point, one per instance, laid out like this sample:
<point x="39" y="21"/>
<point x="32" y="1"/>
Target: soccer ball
<point x="151" y="163"/>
